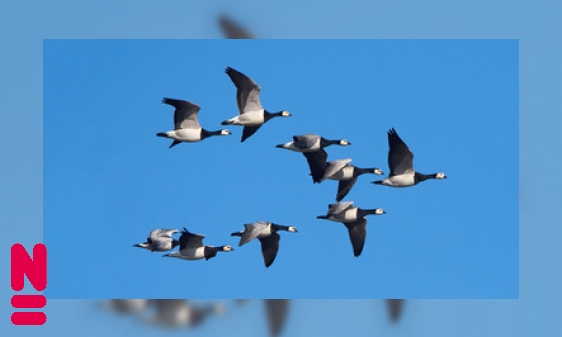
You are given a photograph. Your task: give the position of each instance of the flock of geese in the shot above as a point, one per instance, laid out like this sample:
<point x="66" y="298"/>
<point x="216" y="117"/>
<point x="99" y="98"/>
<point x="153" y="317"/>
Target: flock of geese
<point x="187" y="129"/>
<point x="251" y="117"/>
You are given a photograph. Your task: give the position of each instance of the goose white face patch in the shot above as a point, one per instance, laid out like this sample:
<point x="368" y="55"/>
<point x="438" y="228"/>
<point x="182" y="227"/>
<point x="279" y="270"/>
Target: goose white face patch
<point x="344" y="142"/>
<point x="378" y="171"/>
<point x="440" y="175"/>
<point x="285" y="114"/>
<point x="225" y="132"/>
<point x="379" y="211"/>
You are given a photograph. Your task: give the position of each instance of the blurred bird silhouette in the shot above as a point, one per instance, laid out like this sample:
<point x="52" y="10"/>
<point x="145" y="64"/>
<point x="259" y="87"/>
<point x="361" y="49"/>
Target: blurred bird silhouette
<point x="128" y="306"/>
<point x="276" y="310"/>
<point x="176" y="313"/>
<point x="233" y="30"/>
<point x="395" y="308"/>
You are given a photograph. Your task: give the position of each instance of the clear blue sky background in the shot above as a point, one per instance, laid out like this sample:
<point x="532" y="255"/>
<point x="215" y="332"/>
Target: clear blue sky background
<point x="108" y="179"/>
<point x="537" y="310"/>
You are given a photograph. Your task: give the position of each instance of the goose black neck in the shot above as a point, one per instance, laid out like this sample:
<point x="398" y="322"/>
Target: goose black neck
<point x="210" y="252"/>
<point x="269" y="115"/>
<point x="207" y="133"/>
<point x="359" y="170"/>
<point x="419" y="177"/>
<point x="327" y="142"/>
<point x="362" y="212"/>
<point x="279" y="227"/>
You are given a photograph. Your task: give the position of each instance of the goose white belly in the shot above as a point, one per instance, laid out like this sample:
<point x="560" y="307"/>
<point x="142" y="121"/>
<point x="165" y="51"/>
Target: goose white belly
<point x="349" y="215"/>
<point x="187" y="135"/>
<point x="193" y="253"/>
<point x="345" y="173"/>
<point x="249" y="118"/>
<point x="266" y="232"/>
<point x="403" y="180"/>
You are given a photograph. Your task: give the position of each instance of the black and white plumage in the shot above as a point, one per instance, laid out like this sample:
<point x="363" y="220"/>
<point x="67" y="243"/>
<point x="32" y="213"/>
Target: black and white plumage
<point x="233" y="30"/>
<point x="354" y="219"/>
<point x="312" y="147"/>
<point x="347" y="175"/>
<point x="186" y="124"/>
<point x="311" y="142"/>
<point x="251" y="114"/>
<point x="400" y="162"/>
<point x="266" y="232"/>
<point x="192" y="247"/>
<point x="159" y="240"/>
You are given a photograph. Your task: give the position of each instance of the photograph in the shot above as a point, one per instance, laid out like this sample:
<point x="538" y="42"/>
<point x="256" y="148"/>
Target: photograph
<point x="223" y="169"/>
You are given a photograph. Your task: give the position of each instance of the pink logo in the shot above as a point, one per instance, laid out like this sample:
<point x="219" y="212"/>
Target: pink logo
<point x="36" y="271"/>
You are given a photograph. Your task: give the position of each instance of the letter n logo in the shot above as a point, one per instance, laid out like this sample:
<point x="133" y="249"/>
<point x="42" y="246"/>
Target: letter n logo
<point x="36" y="271"/>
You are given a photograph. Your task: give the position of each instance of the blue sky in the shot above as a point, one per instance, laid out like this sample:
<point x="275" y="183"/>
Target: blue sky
<point x="535" y="312"/>
<point x="109" y="180"/>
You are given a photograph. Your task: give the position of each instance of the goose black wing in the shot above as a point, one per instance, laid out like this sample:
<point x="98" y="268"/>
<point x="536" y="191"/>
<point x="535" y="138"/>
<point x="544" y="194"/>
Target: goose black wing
<point x="190" y="240"/>
<point x="357" y="233"/>
<point x="248" y="131"/>
<point x="269" y="248"/>
<point x="185" y="115"/>
<point x="400" y="158"/>
<point x="317" y="164"/>
<point x="344" y="187"/>
<point x="247" y="91"/>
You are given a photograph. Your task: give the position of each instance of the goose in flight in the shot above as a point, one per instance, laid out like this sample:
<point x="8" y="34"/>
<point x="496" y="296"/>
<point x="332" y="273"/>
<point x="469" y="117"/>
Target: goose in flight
<point x="266" y="232"/>
<point x="192" y="247"/>
<point x="354" y="219"/>
<point x="312" y="147"/>
<point x="251" y="114"/>
<point x="400" y="162"/>
<point x="347" y="175"/>
<point x="186" y="124"/>
<point x="159" y="240"/>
